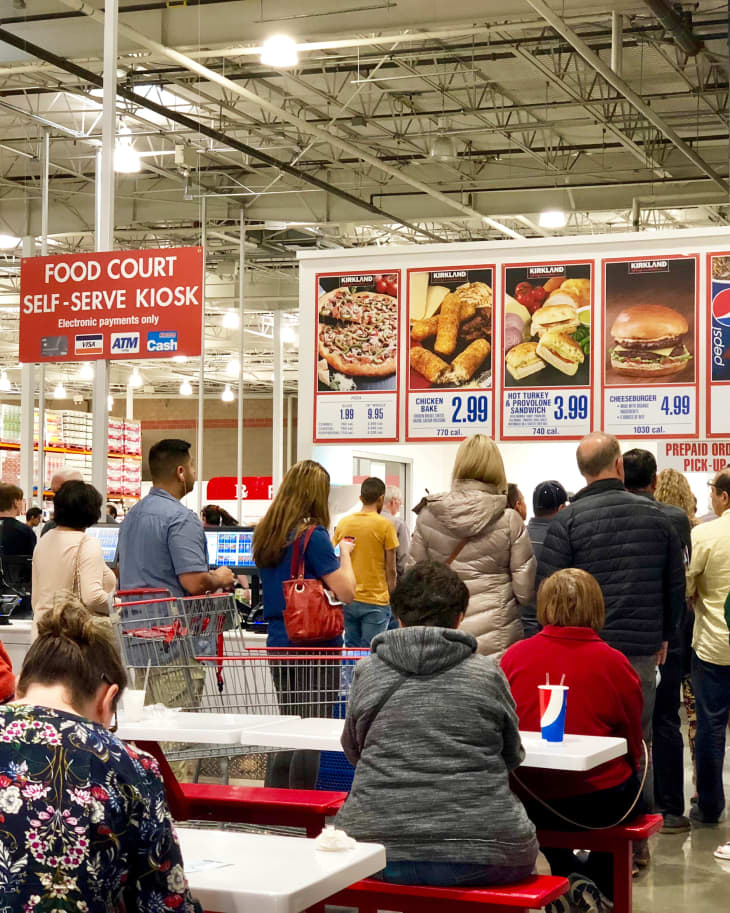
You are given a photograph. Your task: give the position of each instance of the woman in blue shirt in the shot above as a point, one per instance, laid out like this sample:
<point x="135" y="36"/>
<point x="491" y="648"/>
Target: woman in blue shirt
<point x="300" y="502"/>
<point x="84" y="824"/>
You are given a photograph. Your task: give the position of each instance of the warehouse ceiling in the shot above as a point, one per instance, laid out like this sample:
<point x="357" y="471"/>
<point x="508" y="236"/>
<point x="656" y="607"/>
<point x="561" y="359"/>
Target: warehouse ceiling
<point x="394" y="127"/>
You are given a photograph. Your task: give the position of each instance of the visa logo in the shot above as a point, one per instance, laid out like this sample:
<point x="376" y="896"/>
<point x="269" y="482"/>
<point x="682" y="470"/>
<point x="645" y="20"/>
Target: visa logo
<point x="89" y="344"/>
<point x="162" y="341"/>
<point x="125" y="343"/>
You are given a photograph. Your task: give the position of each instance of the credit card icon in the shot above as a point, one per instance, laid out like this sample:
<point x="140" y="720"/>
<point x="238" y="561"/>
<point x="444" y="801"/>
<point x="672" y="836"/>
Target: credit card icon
<point x="54" y="346"/>
<point x="89" y="344"/>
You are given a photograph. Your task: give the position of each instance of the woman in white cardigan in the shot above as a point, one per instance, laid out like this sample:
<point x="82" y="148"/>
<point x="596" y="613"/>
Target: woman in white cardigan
<point x="67" y="559"/>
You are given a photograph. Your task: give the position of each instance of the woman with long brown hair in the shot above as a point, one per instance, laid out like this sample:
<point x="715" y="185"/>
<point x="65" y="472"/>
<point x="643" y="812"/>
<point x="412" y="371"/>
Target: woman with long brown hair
<point x="301" y="502"/>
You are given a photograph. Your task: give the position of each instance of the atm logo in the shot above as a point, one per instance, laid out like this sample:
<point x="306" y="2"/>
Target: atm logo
<point x="162" y="341"/>
<point x="125" y="344"/>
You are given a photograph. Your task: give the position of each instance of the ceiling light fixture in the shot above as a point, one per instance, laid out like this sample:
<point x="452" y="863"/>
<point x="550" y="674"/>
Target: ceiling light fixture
<point x="109" y="403"/>
<point x="233" y="367"/>
<point x="135" y="379"/>
<point x="5" y="385"/>
<point x="443" y="145"/>
<point x="86" y="372"/>
<point x="186" y="388"/>
<point x="288" y="336"/>
<point x="227" y="394"/>
<point x="180" y="359"/>
<point x="8" y="241"/>
<point x="126" y="157"/>
<point x="231" y="320"/>
<point x="279" y="51"/>
<point x="552" y="218"/>
<point x="59" y="391"/>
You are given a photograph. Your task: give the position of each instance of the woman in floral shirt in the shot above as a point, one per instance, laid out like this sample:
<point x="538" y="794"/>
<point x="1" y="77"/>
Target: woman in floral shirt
<point x="84" y="826"/>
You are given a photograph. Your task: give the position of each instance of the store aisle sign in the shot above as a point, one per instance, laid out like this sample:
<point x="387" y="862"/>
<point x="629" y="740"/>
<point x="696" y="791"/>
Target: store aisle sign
<point x="694" y="456"/>
<point x="116" y="304"/>
<point x="252" y="488"/>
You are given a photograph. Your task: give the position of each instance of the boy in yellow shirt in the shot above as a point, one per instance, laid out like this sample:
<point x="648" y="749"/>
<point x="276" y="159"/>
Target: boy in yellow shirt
<point x="374" y="564"/>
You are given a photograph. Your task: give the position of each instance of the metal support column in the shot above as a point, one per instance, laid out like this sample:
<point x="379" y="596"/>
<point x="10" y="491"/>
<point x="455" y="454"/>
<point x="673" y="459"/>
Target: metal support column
<point x="201" y="370"/>
<point x="277" y="449"/>
<point x="27" y="403"/>
<point x="45" y="176"/>
<point x="105" y="237"/>
<point x="130" y="403"/>
<point x="288" y="431"/>
<point x="241" y="349"/>
<point x="617" y="42"/>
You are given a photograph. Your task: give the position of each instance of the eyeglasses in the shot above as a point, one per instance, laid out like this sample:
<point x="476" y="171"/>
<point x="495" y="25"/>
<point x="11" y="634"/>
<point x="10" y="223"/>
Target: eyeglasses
<point x="115" y="720"/>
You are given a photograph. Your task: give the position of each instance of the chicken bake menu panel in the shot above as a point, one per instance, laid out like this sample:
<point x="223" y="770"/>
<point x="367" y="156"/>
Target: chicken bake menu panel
<point x="450" y="381"/>
<point x="650" y="371"/>
<point x="356" y="381"/>
<point x="546" y="350"/>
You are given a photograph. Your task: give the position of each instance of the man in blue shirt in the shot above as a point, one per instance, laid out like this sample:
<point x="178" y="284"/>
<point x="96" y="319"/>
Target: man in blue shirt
<point x="161" y="542"/>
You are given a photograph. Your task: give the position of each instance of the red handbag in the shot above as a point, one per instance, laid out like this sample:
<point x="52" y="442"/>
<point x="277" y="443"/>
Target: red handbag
<point x="309" y="615"/>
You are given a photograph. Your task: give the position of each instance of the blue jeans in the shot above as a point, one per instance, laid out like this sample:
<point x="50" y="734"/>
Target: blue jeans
<point x="443" y="874"/>
<point x="363" y="621"/>
<point x="712" y="695"/>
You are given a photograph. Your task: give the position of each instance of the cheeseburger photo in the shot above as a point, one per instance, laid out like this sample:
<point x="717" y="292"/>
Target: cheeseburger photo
<point x="649" y="342"/>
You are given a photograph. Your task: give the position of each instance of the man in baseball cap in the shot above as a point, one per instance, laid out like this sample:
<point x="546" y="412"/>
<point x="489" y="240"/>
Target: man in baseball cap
<point x="547" y="499"/>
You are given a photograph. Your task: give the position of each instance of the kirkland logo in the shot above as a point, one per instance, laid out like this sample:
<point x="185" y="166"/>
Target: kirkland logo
<point x="162" y="341"/>
<point x="125" y="344"/>
<point x="90" y="344"/>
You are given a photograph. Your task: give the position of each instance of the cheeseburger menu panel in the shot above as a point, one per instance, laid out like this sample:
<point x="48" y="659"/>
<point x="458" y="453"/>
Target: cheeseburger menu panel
<point x="450" y="386"/>
<point x="356" y="380"/>
<point x="650" y="372"/>
<point x="718" y="388"/>
<point x="546" y="350"/>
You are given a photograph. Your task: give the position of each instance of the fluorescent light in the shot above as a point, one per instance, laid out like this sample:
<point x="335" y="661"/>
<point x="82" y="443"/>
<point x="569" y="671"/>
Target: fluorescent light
<point x="86" y="372"/>
<point x="233" y="367"/>
<point x="288" y="336"/>
<point x="59" y="391"/>
<point x="227" y="394"/>
<point x="8" y="241"/>
<point x="180" y="359"/>
<point x="135" y="379"/>
<point x="109" y="403"/>
<point x="231" y="320"/>
<point x="552" y="218"/>
<point x="279" y="51"/>
<point x="126" y="157"/>
<point x="186" y="388"/>
<point x="5" y="384"/>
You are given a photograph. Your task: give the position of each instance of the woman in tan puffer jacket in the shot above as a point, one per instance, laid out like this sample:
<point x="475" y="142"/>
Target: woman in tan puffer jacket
<point x="495" y="558"/>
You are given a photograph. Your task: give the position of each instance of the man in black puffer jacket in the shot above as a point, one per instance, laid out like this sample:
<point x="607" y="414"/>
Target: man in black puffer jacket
<point x="630" y="547"/>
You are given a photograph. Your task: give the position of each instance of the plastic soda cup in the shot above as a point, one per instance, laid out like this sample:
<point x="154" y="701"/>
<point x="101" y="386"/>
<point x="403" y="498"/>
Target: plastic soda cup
<point x="133" y="705"/>
<point x="553" y="703"/>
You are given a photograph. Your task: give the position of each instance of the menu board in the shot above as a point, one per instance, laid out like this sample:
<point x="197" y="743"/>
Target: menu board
<point x="546" y="350"/>
<point x="356" y="381"/>
<point x="650" y="371"/>
<point x="718" y="358"/>
<point x="450" y="384"/>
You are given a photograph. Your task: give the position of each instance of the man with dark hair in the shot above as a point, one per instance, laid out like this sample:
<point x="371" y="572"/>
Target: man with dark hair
<point x="33" y="517"/>
<point x="668" y="747"/>
<point x="632" y="550"/>
<point x="516" y="500"/>
<point x="16" y="539"/>
<point x="374" y="565"/>
<point x="709" y="578"/>
<point x="547" y="499"/>
<point x="162" y="542"/>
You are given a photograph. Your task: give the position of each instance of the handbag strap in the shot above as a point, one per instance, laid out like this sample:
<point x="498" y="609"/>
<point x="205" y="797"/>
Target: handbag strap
<point x="77" y="570"/>
<point x="457" y="551"/>
<point x="299" y="551"/>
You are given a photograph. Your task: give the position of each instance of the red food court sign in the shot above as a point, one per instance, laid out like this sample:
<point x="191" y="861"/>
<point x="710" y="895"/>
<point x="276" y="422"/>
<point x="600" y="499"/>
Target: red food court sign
<point x="116" y="304"/>
<point x="253" y="488"/>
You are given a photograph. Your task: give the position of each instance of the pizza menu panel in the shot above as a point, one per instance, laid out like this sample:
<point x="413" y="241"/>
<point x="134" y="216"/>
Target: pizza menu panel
<point x="650" y="372"/>
<point x="356" y="382"/>
<point x="450" y="383"/>
<point x="547" y="317"/>
<point x="718" y="356"/>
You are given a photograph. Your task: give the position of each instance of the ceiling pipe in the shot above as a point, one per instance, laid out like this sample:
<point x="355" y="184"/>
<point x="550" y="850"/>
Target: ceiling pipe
<point x="634" y="98"/>
<point x="198" y="127"/>
<point x="322" y="135"/>
<point x="677" y="27"/>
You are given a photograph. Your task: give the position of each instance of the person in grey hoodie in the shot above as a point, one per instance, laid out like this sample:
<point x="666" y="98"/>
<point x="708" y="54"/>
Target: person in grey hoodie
<point x="472" y="529"/>
<point x="432" y="731"/>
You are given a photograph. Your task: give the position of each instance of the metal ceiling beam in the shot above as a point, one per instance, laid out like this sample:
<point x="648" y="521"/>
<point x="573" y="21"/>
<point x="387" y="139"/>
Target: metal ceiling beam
<point x="298" y="122"/>
<point x="191" y="124"/>
<point x="634" y="98"/>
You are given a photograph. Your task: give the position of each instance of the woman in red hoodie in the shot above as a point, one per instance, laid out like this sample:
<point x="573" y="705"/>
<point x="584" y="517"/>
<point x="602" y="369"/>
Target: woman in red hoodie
<point x="604" y="699"/>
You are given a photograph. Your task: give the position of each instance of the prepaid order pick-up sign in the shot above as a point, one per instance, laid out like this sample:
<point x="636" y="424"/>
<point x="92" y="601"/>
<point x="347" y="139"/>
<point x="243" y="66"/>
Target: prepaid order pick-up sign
<point x="116" y="304"/>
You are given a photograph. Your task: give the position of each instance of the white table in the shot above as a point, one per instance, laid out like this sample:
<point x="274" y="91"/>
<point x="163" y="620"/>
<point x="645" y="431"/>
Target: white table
<point x="200" y="728"/>
<point x="576" y="752"/>
<point x="17" y="638"/>
<point x="269" y="874"/>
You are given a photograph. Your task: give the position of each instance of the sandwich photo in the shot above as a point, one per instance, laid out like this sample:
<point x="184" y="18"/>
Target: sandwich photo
<point x="523" y="360"/>
<point x="649" y="342"/>
<point x="555" y="317"/>
<point x="561" y="351"/>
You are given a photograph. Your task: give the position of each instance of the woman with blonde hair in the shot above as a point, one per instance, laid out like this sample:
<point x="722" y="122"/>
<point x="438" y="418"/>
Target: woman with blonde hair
<point x="300" y="503"/>
<point x="471" y="528"/>
<point x="673" y="488"/>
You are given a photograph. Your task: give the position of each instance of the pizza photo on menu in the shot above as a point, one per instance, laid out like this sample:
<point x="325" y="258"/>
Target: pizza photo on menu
<point x="357" y="332"/>
<point x="450" y="328"/>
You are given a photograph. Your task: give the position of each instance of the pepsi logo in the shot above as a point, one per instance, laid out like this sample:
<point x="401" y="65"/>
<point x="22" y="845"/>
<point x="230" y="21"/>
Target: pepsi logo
<point x="721" y="308"/>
